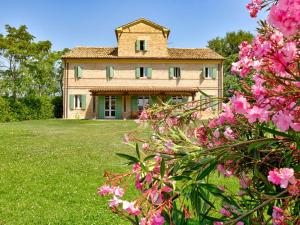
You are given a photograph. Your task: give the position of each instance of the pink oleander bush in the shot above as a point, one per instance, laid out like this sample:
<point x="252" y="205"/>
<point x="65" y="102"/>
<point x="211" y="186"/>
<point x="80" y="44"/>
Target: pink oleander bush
<point x="255" y="139"/>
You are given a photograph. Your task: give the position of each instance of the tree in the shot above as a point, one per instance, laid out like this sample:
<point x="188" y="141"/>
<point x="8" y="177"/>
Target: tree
<point x="27" y="67"/>
<point x="15" y="49"/>
<point x="228" y="47"/>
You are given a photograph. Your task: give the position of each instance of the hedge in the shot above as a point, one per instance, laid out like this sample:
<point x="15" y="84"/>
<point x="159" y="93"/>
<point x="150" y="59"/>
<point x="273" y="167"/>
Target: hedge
<point x="29" y="108"/>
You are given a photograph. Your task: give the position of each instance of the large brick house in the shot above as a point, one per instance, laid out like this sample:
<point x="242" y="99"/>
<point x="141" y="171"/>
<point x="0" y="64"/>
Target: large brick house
<point x="117" y="82"/>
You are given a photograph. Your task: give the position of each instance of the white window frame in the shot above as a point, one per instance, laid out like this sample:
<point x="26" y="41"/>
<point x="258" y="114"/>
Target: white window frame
<point x="142" y="46"/>
<point x="177" y="99"/>
<point x="110" y="110"/>
<point x="145" y="101"/>
<point x="208" y="72"/>
<point x="77" y="102"/>
<point x="143" y="72"/>
<point x="177" y="72"/>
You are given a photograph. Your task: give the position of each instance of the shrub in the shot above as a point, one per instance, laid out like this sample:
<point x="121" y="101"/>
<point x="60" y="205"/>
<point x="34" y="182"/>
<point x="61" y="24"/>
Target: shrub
<point x="5" y="110"/>
<point x="57" y="102"/>
<point x="255" y="139"/>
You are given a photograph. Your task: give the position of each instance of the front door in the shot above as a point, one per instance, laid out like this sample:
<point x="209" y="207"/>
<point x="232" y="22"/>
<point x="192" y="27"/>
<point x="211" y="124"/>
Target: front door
<point x="110" y="107"/>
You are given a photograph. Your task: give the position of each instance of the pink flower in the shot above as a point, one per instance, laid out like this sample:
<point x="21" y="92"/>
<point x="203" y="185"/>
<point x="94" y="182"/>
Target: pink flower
<point x="245" y="181"/>
<point x="118" y="191"/>
<point x="105" y="190"/>
<point x="148" y="178"/>
<point x="290" y="51"/>
<point x="257" y="113"/>
<point x="145" y="146"/>
<point x="216" y="133"/>
<point x="228" y="133"/>
<point x="282" y="177"/>
<point x="274" y="177"/>
<point x="225" y="212"/>
<point x="136" y="167"/>
<point x="143" y="221"/>
<point x="143" y="116"/>
<point x="240" y="223"/>
<point x="157" y="219"/>
<point x="287" y="176"/>
<point x="130" y="208"/>
<point x="285" y="16"/>
<point x="115" y="202"/>
<point x="277" y="216"/>
<point x="282" y="120"/>
<point x="239" y="103"/>
<point x="218" y="223"/>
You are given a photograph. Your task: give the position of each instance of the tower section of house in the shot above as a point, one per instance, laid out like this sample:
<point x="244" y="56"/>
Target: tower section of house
<point x="118" y="82"/>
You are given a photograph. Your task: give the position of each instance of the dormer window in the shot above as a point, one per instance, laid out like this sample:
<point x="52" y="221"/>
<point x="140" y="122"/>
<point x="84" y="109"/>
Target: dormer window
<point x="141" y="45"/>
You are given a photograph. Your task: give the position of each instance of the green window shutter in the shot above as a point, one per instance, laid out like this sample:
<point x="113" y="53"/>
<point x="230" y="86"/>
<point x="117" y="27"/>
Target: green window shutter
<point x="118" y="107"/>
<point x="137" y="45"/>
<point x="79" y="72"/>
<point x="83" y="101"/>
<point x="76" y="71"/>
<point x="146" y="45"/>
<point x="171" y="72"/>
<point x="71" y="102"/>
<point x="137" y="72"/>
<point x="101" y="102"/>
<point x="134" y="104"/>
<point x="109" y="71"/>
<point x="185" y="99"/>
<point x="214" y="73"/>
<point x="149" y="72"/>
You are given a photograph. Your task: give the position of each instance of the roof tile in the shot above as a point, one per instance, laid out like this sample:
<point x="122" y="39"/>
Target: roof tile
<point x="107" y="53"/>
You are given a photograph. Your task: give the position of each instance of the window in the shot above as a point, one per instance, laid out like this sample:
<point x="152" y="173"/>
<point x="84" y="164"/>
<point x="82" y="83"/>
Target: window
<point x="78" y="102"/>
<point x="174" y="72"/>
<point x="143" y="72"/>
<point x="78" y="72"/>
<point x="177" y="100"/>
<point x="141" y="45"/>
<point x="143" y="101"/>
<point x="210" y="73"/>
<point x="109" y="72"/>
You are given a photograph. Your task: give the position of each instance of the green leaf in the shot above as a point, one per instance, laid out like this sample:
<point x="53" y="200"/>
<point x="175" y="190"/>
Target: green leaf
<point x="137" y="150"/>
<point x="181" y="178"/>
<point x="162" y="168"/>
<point x="207" y="170"/>
<point x="149" y="157"/>
<point x="128" y="157"/>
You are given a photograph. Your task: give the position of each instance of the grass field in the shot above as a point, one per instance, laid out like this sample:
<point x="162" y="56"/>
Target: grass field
<point x="50" y="170"/>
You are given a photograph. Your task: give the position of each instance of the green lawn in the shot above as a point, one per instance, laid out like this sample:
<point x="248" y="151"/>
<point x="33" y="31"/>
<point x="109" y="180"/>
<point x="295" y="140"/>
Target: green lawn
<point x="49" y="170"/>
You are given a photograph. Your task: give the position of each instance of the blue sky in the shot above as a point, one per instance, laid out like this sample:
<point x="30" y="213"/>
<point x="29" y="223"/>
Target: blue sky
<point x="69" y="23"/>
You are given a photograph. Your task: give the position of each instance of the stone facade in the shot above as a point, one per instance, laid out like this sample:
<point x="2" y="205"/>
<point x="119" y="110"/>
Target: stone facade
<point x="93" y="72"/>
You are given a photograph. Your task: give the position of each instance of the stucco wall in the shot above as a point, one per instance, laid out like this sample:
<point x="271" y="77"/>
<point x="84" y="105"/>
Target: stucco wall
<point x="156" y="41"/>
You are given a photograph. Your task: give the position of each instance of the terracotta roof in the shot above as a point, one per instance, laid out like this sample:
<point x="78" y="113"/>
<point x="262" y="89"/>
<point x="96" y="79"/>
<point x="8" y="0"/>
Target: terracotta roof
<point x="107" y="53"/>
<point x="145" y="89"/>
